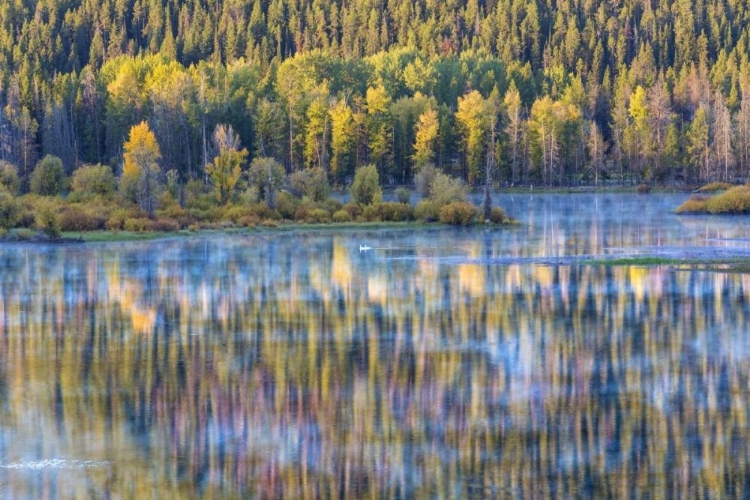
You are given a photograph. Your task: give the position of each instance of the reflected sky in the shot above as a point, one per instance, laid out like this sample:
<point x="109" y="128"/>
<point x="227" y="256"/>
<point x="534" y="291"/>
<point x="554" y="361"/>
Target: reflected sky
<point x="293" y="365"/>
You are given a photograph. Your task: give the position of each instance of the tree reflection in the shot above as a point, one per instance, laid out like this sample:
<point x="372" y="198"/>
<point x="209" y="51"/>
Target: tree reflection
<point x="293" y="366"/>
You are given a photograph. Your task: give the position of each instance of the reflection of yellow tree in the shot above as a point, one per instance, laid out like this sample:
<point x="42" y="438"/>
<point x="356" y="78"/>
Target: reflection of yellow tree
<point x="405" y="379"/>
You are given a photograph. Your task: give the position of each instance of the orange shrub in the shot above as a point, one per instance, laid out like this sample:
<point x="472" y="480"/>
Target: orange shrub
<point x="458" y="213"/>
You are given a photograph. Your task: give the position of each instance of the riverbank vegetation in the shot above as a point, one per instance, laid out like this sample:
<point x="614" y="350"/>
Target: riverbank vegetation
<point x="730" y="200"/>
<point x="263" y="195"/>
<point x="532" y="93"/>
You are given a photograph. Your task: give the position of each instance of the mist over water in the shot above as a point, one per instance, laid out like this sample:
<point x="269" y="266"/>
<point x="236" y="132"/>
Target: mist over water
<point x="439" y="363"/>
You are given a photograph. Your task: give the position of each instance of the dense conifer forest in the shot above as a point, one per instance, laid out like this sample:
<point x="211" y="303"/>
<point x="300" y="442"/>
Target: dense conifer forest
<point x="521" y="92"/>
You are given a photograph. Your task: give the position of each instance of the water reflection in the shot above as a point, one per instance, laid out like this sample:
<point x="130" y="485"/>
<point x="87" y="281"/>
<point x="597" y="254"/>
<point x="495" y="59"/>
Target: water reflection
<point x="295" y="366"/>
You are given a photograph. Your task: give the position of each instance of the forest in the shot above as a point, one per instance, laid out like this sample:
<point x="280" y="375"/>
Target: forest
<point x="512" y="92"/>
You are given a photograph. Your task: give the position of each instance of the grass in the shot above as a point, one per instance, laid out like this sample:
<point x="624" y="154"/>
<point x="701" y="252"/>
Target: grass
<point x="122" y="236"/>
<point x="638" y="261"/>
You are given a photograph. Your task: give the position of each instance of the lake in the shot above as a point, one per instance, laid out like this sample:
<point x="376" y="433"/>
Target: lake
<point x="440" y="363"/>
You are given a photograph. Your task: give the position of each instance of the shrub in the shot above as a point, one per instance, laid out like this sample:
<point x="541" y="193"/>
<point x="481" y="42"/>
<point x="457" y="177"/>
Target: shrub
<point x="371" y="213"/>
<point x="48" y="178"/>
<point x="694" y="205"/>
<point x="403" y="195"/>
<point x="643" y="188"/>
<point x="366" y="186"/>
<point x="197" y="195"/>
<point x="498" y="216"/>
<point x="427" y="211"/>
<point x="287" y="205"/>
<point x="331" y="205"/>
<point x="234" y="213"/>
<point x="137" y="225"/>
<point x="395" y="212"/>
<point x="317" y="216"/>
<point x="75" y="218"/>
<point x="311" y="183"/>
<point x="342" y="216"/>
<point x="445" y="189"/>
<point x="424" y="179"/>
<point x="353" y="209"/>
<point x="10" y="210"/>
<point x="715" y="186"/>
<point x="9" y="178"/>
<point x="733" y="201"/>
<point x="47" y="218"/>
<point x="458" y="214"/>
<point x="27" y="204"/>
<point x="248" y="221"/>
<point x="163" y="225"/>
<point x="116" y="220"/>
<point x="303" y="209"/>
<point x="93" y="180"/>
<point x="262" y="212"/>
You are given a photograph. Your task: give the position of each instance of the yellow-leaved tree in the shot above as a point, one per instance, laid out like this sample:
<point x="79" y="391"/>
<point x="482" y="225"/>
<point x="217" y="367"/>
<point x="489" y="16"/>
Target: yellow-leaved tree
<point x="226" y="168"/>
<point x="140" y="171"/>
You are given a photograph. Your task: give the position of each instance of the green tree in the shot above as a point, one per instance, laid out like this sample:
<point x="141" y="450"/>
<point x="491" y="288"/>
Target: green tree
<point x="48" y="178"/>
<point x="475" y="115"/>
<point x="267" y="175"/>
<point x="366" y="186"/>
<point x="9" y="177"/>
<point x="93" y="180"/>
<point x="379" y="125"/>
<point x="343" y="137"/>
<point x="697" y="146"/>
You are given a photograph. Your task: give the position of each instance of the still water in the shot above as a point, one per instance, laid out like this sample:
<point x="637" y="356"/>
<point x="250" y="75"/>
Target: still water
<point x="439" y="364"/>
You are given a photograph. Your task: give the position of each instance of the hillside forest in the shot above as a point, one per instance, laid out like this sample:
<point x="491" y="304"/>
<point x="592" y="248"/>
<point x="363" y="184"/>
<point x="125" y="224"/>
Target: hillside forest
<point x="522" y="92"/>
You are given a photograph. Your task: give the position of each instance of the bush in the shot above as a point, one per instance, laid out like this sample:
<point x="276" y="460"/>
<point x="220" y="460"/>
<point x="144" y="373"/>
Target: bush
<point x="445" y="189"/>
<point x="198" y="195"/>
<point x="48" y="178"/>
<point x="427" y="211"/>
<point x="287" y="205"/>
<point x="248" y="221"/>
<point x="137" y="225"/>
<point x="403" y="195"/>
<point x="733" y="201"/>
<point x="234" y="213"/>
<point x="331" y="205"/>
<point x="643" y="188"/>
<point x="371" y="213"/>
<point x="312" y="183"/>
<point x="74" y="218"/>
<point x="93" y="180"/>
<point x="458" y="214"/>
<point x="424" y="179"/>
<point x="694" y="205"/>
<point x="498" y="216"/>
<point x="366" y="186"/>
<point x="342" y="216"/>
<point x="263" y="212"/>
<point x="353" y="209"/>
<point x="10" y="210"/>
<point x="47" y="218"/>
<point x="715" y="186"/>
<point x="163" y="225"/>
<point x="9" y="178"/>
<point x="395" y="212"/>
<point x="317" y="216"/>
